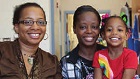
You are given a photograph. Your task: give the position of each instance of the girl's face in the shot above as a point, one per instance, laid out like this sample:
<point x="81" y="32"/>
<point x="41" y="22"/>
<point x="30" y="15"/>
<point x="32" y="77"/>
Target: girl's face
<point x="87" y="28"/>
<point x="115" y="32"/>
<point x="31" y="34"/>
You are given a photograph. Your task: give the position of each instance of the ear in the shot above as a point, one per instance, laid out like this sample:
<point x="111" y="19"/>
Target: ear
<point x="74" y="29"/>
<point x="103" y="35"/>
<point x="127" y="35"/>
<point x="16" y="28"/>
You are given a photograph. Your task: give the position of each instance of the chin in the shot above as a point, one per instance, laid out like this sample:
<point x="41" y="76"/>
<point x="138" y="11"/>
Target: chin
<point x="34" y="41"/>
<point x="89" y="44"/>
<point x="34" y="44"/>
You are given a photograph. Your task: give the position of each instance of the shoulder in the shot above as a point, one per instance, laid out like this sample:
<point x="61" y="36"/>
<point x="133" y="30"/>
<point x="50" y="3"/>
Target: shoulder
<point x="5" y="44"/>
<point x="9" y="45"/>
<point x="49" y="64"/>
<point x="71" y="57"/>
<point x="64" y="60"/>
<point x="47" y="58"/>
<point x="66" y="56"/>
<point x="47" y="55"/>
<point x="129" y="52"/>
<point x="130" y="58"/>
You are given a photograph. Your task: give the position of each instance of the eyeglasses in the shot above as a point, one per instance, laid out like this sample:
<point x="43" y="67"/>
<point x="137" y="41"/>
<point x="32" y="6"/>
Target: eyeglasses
<point x="31" y="22"/>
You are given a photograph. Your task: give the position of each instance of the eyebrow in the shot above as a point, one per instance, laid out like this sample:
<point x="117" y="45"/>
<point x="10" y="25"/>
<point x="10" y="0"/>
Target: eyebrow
<point x="32" y="18"/>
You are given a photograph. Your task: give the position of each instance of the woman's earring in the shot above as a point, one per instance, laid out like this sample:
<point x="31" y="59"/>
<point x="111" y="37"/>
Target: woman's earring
<point x="46" y="36"/>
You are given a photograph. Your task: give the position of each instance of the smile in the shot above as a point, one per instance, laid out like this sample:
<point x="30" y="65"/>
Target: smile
<point x="88" y="38"/>
<point x="114" y="38"/>
<point x="34" y="35"/>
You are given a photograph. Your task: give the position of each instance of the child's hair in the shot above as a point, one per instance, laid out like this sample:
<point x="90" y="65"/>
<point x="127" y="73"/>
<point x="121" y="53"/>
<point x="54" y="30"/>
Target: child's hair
<point x="107" y="19"/>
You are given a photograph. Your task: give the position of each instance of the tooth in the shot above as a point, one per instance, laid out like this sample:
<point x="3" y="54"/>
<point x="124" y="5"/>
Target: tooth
<point x="34" y="34"/>
<point x="114" y="38"/>
<point x="89" y="38"/>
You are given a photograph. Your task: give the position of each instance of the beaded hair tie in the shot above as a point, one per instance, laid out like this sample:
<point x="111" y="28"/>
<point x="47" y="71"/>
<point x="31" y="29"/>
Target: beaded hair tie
<point x="104" y="17"/>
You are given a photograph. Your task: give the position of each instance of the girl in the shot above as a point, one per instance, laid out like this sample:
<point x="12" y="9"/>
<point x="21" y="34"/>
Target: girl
<point x="115" y="62"/>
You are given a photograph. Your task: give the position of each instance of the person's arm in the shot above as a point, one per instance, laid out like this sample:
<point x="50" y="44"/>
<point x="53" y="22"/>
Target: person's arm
<point x="138" y="69"/>
<point x="58" y="74"/>
<point x="97" y="70"/>
<point x="130" y="65"/>
<point x="97" y="73"/>
<point x="129" y="74"/>
<point x="64" y="68"/>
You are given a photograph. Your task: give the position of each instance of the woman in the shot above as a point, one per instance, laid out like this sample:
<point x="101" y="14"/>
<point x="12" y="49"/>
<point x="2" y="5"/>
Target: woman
<point x="22" y="58"/>
<point x="77" y="64"/>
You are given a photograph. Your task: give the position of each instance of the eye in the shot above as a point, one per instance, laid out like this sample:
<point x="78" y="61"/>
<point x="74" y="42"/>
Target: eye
<point x="41" y="22"/>
<point x="95" y="27"/>
<point x="120" y="30"/>
<point x="82" y="27"/>
<point x="28" y="22"/>
<point x="108" y="29"/>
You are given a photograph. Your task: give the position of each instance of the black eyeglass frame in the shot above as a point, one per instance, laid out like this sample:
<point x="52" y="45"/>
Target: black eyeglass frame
<point x="31" y="22"/>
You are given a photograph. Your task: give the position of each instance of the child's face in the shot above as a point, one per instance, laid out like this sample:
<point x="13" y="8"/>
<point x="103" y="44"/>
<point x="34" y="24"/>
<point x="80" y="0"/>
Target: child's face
<point x="87" y="28"/>
<point x="115" y="32"/>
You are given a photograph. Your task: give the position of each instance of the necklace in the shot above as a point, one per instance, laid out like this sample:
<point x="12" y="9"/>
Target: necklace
<point x="30" y="58"/>
<point x="89" y="75"/>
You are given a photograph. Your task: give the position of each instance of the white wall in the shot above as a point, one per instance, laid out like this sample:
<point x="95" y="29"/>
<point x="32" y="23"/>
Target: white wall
<point x="6" y="15"/>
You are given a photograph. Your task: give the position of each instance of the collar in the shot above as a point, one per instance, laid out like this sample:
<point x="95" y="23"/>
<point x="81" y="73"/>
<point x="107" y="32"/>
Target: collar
<point x="73" y="55"/>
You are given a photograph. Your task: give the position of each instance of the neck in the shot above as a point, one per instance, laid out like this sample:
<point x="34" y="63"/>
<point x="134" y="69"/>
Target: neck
<point x="115" y="52"/>
<point x="115" y="49"/>
<point x="26" y="49"/>
<point x="87" y="52"/>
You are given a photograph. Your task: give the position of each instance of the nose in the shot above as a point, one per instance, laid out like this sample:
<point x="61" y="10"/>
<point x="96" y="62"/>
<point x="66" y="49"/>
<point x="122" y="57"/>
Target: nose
<point x="89" y="30"/>
<point x="114" y="32"/>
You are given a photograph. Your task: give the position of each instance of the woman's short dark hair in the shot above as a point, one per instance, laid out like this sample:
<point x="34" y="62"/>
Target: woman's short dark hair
<point x="84" y="8"/>
<point x="19" y="9"/>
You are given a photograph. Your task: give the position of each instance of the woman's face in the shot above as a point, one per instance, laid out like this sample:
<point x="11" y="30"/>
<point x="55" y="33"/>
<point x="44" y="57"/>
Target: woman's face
<point x="31" y="34"/>
<point x="87" y="28"/>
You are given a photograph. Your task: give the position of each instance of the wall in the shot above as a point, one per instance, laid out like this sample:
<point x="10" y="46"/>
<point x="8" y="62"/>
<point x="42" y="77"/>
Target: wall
<point x="70" y="5"/>
<point x="113" y="5"/>
<point x="57" y="29"/>
<point x="6" y="14"/>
